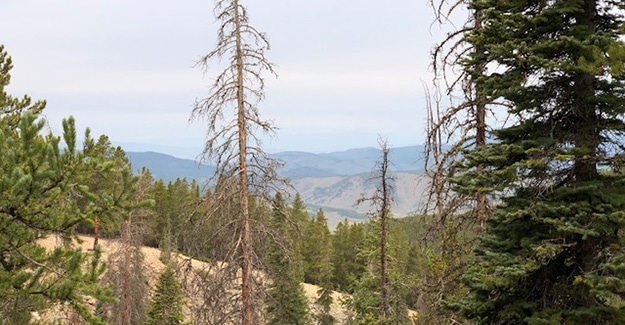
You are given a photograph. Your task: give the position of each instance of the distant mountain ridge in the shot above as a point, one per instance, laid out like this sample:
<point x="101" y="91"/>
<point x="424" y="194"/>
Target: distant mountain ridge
<point x="330" y="181"/>
<point x="168" y="168"/>
<point x="296" y="163"/>
<point x="348" y="162"/>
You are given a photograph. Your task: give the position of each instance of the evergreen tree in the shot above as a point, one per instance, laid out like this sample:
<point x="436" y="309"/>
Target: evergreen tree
<point x="320" y="267"/>
<point x="317" y="250"/>
<point x="166" y="305"/>
<point x="340" y="278"/>
<point x="182" y="197"/>
<point x="323" y="306"/>
<point x="13" y="108"/>
<point x="40" y="186"/>
<point x="300" y="221"/>
<point x="286" y="302"/>
<point x="106" y="171"/>
<point x="366" y="301"/>
<point x="554" y="249"/>
<point x="349" y="263"/>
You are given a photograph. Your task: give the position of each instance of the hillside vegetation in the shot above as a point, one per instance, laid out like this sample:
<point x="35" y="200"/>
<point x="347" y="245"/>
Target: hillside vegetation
<point x="153" y="266"/>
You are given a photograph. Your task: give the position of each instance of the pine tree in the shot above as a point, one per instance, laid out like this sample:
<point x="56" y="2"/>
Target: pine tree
<point x="317" y="250"/>
<point x="300" y="221"/>
<point x="554" y="251"/>
<point x="106" y="172"/>
<point x="366" y="301"/>
<point x="166" y="305"/>
<point x="349" y="264"/>
<point x="40" y="187"/>
<point x="323" y="306"/>
<point x="320" y="267"/>
<point x="286" y="302"/>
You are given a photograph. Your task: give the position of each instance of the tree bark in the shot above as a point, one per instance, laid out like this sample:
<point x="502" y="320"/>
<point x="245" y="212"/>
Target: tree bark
<point x="480" y="129"/>
<point x="386" y="197"/>
<point x="246" y="250"/>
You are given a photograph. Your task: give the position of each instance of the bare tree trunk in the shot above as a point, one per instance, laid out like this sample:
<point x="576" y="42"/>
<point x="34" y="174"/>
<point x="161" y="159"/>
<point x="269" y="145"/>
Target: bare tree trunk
<point x="381" y="200"/>
<point x="233" y="146"/>
<point x="467" y="131"/>
<point x="96" y="232"/>
<point x="482" y="209"/>
<point x="463" y="124"/>
<point x="384" y="215"/>
<point x="246" y="250"/>
<point x="125" y="302"/>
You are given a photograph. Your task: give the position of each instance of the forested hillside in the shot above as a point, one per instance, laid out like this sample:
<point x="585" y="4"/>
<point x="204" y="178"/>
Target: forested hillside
<point x="521" y="219"/>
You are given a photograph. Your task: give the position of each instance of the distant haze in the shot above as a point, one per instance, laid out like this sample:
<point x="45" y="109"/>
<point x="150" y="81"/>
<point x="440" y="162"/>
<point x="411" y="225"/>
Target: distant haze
<point x="348" y="70"/>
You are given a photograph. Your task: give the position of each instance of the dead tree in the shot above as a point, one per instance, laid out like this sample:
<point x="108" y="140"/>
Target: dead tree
<point x="459" y="118"/>
<point x="128" y="278"/>
<point x="233" y="144"/>
<point x="127" y="274"/>
<point x="381" y="200"/>
<point x="461" y="125"/>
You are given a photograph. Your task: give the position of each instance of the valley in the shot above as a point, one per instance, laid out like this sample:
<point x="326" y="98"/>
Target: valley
<point x="329" y="181"/>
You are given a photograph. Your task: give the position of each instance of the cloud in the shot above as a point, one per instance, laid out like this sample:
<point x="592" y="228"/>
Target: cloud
<point x="348" y="70"/>
<point x="348" y="76"/>
<point x="71" y="81"/>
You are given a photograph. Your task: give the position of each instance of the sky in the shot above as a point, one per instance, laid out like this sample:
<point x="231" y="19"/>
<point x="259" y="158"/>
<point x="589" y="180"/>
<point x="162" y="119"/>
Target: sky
<point x="349" y="71"/>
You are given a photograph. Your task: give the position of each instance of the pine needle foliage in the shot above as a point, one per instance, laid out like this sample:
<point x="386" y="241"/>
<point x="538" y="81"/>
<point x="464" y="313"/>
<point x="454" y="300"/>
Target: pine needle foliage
<point x="323" y="306"/>
<point x="317" y="250"/>
<point x="318" y="262"/>
<point x="286" y="301"/>
<point x="40" y="189"/>
<point x="554" y="248"/>
<point x="166" y="305"/>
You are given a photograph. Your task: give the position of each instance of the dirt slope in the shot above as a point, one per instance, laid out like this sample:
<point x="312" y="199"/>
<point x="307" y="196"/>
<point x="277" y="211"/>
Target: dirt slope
<point x="154" y="266"/>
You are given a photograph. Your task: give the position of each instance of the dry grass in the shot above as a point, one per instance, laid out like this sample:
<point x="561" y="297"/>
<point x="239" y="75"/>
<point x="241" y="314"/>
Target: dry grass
<point x="155" y="266"/>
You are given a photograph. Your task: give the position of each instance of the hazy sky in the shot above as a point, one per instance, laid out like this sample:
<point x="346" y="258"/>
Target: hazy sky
<point x="348" y="69"/>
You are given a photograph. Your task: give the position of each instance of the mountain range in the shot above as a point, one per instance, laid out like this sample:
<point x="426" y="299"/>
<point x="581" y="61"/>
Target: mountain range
<point x="329" y="181"/>
<point x="349" y="162"/>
